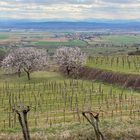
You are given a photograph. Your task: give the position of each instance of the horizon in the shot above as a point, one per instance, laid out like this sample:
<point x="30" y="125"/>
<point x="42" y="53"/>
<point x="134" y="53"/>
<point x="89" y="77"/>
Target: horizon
<point x="119" y="21"/>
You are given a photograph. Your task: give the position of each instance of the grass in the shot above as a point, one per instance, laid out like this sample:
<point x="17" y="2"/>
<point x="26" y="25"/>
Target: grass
<point x="112" y="130"/>
<point x="123" y="39"/>
<point x="3" y="36"/>
<point x="116" y="39"/>
<point x="36" y="77"/>
<point x="112" y="51"/>
<point x="68" y="43"/>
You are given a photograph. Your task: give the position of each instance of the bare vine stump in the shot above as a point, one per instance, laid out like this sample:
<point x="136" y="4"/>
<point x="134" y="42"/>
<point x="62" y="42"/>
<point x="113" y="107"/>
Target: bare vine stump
<point x="22" y="111"/>
<point x="93" y="119"/>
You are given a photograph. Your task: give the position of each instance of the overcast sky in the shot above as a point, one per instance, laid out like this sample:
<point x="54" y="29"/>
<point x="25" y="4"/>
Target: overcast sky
<point x="69" y="9"/>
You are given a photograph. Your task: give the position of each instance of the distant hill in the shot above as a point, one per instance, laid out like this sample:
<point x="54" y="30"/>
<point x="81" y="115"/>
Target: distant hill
<point x="38" y="25"/>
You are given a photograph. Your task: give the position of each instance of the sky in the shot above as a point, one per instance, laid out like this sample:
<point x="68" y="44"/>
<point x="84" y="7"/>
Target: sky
<point x="67" y="10"/>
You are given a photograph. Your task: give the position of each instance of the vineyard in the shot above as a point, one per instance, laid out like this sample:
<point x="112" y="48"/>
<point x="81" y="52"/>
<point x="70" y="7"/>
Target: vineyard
<point x="54" y="102"/>
<point x="125" y="64"/>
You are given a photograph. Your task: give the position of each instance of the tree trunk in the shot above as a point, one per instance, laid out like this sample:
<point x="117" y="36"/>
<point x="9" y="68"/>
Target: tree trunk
<point x="93" y="119"/>
<point x="28" y="75"/>
<point x="22" y="116"/>
<point x="19" y="73"/>
<point x="23" y="122"/>
<point x="68" y="71"/>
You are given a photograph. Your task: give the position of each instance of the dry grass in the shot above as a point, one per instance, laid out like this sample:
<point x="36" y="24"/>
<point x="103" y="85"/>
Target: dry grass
<point x="115" y="130"/>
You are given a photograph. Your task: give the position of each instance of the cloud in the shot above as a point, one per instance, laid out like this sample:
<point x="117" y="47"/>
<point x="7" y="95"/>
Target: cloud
<point x="70" y="9"/>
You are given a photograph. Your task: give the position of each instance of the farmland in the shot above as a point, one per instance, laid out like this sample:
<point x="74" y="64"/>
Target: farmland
<point x="117" y="39"/>
<point x="61" y="43"/>
<point x="57" y="101"/>
<point x="90" y="43"/>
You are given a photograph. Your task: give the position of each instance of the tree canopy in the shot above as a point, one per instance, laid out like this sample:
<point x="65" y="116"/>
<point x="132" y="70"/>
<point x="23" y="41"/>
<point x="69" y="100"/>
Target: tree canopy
<point x="25" y="59"/>
<point x="70" y="59"/>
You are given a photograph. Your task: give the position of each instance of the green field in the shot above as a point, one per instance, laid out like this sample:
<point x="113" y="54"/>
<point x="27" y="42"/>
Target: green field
<point x="116" y="39"/>
<point x="122" y="39"/>
<point x="68" y="43"/>
<point x="2" y="37"/>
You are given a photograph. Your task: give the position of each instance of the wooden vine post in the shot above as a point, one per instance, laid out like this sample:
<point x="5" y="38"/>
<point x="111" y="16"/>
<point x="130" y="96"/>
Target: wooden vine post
<point x="22" y="111"/>
<point x="93" y="119"/>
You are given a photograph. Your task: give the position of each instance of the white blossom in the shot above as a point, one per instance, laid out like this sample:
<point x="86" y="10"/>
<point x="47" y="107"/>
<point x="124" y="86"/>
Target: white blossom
<point x="70" y="58"/>
<point x="25" y="59"/>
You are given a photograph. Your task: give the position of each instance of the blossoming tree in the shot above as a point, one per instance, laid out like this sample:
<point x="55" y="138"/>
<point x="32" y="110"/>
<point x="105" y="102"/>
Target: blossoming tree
<point x="70" y="59"/>
<point x="25" y="59"/>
